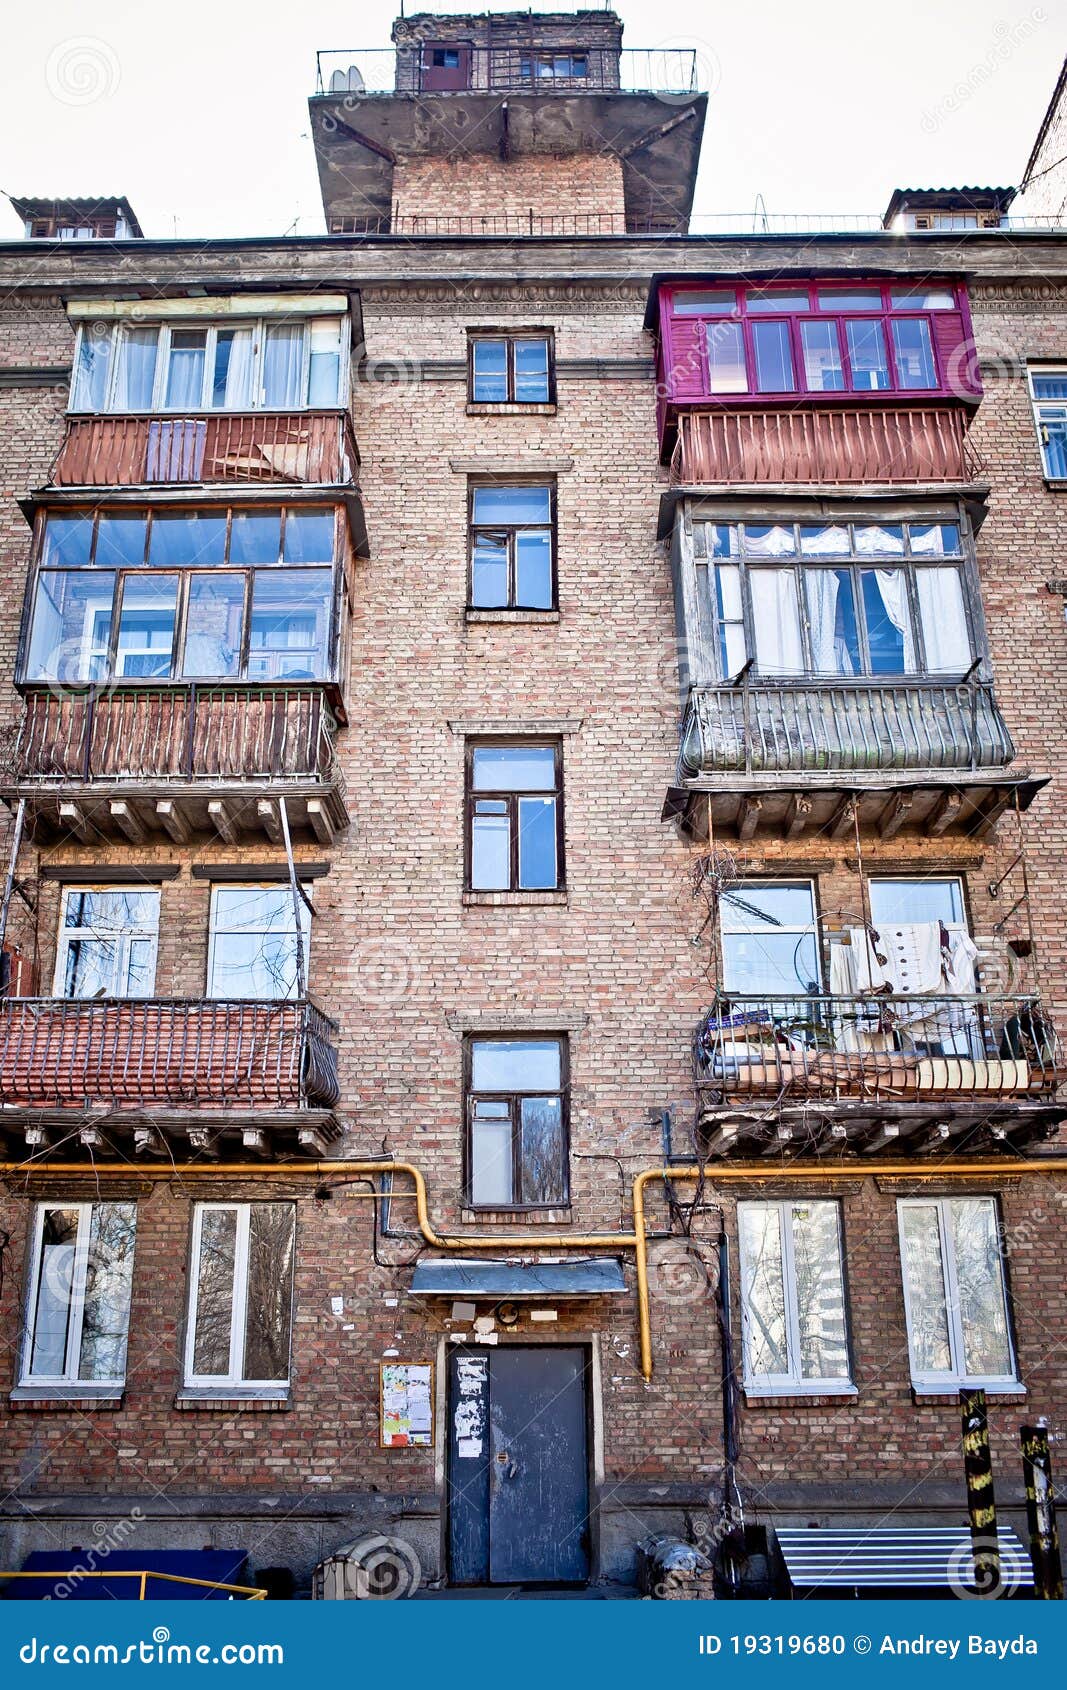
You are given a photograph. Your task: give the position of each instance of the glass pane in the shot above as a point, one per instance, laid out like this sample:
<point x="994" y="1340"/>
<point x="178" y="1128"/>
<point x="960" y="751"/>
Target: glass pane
<point x="52" y="1311"/>
<point x="944" y="621"/>
<point x="490" y="1161"/>
<point x="254" y="965"/>
<point x="897" y="902"/>
<point x="255" y="538"/>
<point x="783" y="905"/>
<point x="67" y="541"/>
<point x="231" y="379"/>
<point x="135" y="373"/>
<point x="257" y="908"/>
<point x="879" y="540"/>
<point x="776" y="299"/>
<point x="932" y="539"/>
<point x="980" y="1279"/>
<point x="776" y="540"/>
<point x="490" y="371"/>
<point x="214" y="1293"/>
<point x="514" y="768"/>
<point x="770" y="964"/>
<point x="922" y="299"/>
<point x="724" y="540"/>
<point x="531" y="371"/>
<point x="269" y="1303"/>
<point x="537" y="843"/>
<point x="705" y="302"/>
<point x="774" y="357"/>
<point x="512" y="506"/>
<point x="835" y="643"/>
<point x="829" y="540"/>
<point x="140" y="969"/>
<point x="733" y="651"/>
<point x="867" y="355"/>
<point x="542" y="1150"/>
<point x="112" y="912"/>
<point x="120" y="539"/>
<point x="820" y="1286"/>
<point x="1053" y="434"/>
<point x="763" y="1290"/>
<point x="823" y="370"/>
<point x="181" y="539"/>
<point x="1050" y="385"/>
<point x="283" y="366"/>
<point x="108" y="1287"/>
<point x="888" y="615"/>
<point x="489" y="573"/>
<point x="913" y="353"/>
<point x="324" y="372"/>
<point x="185" y="368"/>
<point x="146" y="625"/>
<point x="490" y="848"/>
<point x="290" y="631"/>
<point x="214" y="626"/>
<point x="533" y="569"/>
<point x="92" y="968"/>
<point x="94" y="363"/>
<point x="515" y="1065"/>
<point x="309" y="536"/>
<point x="850" y="299"/>
<point x="727" y="372"/>
<point x="71" y="629"/>
<point x="776" y="621"/>
<point x="925" y="1279"/>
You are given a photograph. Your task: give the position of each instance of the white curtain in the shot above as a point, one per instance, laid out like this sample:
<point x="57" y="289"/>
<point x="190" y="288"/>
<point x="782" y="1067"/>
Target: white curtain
<point x="893" y="588"/>
<point x="830" y="653"/>
<point x="238" y="392"/>
<point x="776" y="614"/>
<point x="944" y="621"/>
<point x="135" y="375"/>
<point x="283" y="367"/>
<point x="185" y="377"/>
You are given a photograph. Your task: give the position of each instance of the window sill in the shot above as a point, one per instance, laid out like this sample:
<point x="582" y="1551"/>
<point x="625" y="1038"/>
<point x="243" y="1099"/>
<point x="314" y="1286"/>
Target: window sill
<point x="233" y="1402"/>
<point x="950" y="1392"/>
<point x="35" y="1399"/>
<point x="509" y="408"/>
<point x="474" y="900"/>
<point x="822" y="1396"/>
<point x="560" y="1216"/>
<point x="527" y="618"/>
<point x="1056" y="483"/>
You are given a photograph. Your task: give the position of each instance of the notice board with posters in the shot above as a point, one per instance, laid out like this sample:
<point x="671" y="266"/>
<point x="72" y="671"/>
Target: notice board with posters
<point x="406" y="1397"/>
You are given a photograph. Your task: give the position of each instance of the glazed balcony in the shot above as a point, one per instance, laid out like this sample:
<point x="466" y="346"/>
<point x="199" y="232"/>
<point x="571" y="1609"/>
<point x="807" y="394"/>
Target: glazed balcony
<point x="839" y="447"/>
<point x="305" y="448"/>
<point x="168" y="1072"/>
<point x="513" y="66"/>
<point x="132" y="761"/>
<point x="912" y="1073"/>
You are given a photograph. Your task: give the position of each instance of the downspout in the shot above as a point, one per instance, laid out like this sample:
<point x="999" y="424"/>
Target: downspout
<point x="9" y="883"/>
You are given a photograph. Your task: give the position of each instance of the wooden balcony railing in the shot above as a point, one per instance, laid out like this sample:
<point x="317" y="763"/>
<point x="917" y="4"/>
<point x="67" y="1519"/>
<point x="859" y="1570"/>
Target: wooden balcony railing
<point x="892" y="1049"/>
<point x="166" y="1053"/>
<point x="179" y="734"/>
<point x="304" y="447"/>
<point x="823" y="444"/>
<point x="761" y="728"/>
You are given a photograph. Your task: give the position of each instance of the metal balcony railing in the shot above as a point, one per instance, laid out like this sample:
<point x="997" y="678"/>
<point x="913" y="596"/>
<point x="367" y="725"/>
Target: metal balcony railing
<point x="890" y="1048"/>
<point x="817" y="445"/>
<point x="196" y="1054"/>
<point x="763" y="727"/>
<point x="513" y="66"/>
<point x="177" y="734"/>
<point x="306" y="447"/>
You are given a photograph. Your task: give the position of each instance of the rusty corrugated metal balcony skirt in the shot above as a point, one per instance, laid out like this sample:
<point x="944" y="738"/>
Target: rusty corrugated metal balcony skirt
<point x="813" y="445"/>
<point x="305" y="447"/>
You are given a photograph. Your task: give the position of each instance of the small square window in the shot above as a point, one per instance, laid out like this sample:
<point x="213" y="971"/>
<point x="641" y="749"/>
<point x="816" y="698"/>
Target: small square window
<point x="515" y="817"/>
<point x="511" y="369"/>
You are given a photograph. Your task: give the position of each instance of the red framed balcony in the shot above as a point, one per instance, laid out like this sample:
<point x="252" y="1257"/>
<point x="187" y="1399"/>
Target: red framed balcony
<point x="839" y="446"/>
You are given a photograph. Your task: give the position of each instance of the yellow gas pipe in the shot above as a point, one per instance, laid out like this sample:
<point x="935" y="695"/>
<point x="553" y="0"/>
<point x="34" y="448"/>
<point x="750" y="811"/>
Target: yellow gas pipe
<point x="637" y="1240"/>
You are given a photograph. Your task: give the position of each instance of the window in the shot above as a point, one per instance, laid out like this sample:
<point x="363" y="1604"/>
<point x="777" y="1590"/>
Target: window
<point x="1048" y="391"/>
<point x="78" y="1309"/>
<point x="511" y="369"/>
<point x="240" y="1295"/>
<point x="554" y="67"/>
<point x="955" y="1295"/>
<point x="515" y="817"/>
<point x="517" y="1122"/>
<point x="252" y="943"/>
<point x="945" y="1028"/>
<point x="512" y="548"/>
<point x="263" y="364"/>
<point x="185" y="595"/>
<point x="107" y="943"/>
<point x="836" y="599"/>
<point x="770" y="945"/>
<point x="793" y="1297"/>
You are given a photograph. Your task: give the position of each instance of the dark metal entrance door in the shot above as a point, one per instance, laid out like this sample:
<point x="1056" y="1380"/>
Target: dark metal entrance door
<point x="518" y="1466"/>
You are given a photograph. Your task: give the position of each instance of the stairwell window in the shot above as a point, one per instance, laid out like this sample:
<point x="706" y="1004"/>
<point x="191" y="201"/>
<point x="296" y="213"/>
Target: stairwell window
<point x="793" y="1299"/>
<point x="955" y="1294"/>
<point x="516" y="1092"/>
<point x="512" y="546"/>
<point x="78" y="1308"/>
<point x="515" y="369"/>
<point x="253" y="942"/>
<point x="107" y="943"/>
<point x="514" y="817"/>
<point x="1048" y="393"/>
<point x="240" y="1297"/>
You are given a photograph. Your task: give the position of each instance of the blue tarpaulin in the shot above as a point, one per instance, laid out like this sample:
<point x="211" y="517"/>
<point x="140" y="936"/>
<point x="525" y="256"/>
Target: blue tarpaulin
<point x="218" y="1566"/>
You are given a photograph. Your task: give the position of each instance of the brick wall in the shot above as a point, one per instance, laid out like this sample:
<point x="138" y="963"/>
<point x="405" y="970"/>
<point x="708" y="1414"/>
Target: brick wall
<point x="482" y="185"/>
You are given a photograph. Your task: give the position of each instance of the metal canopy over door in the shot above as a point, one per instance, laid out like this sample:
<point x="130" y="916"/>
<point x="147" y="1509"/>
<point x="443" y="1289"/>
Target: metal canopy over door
<point x="518" y="1466"/>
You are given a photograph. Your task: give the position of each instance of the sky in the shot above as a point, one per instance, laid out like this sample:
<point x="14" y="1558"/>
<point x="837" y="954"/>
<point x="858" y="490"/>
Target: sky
<point x="198" y="114"/>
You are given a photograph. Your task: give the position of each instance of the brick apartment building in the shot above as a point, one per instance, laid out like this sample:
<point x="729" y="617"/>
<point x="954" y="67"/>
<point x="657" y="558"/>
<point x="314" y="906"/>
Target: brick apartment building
<point x="511" y="703"/>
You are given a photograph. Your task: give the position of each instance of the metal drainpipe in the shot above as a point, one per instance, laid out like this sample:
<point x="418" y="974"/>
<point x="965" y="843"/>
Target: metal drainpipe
<point x="636" y="1240"/>
<point x="9" y="883"/>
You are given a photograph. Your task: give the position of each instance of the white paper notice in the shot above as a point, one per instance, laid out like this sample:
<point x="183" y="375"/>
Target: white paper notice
<point x="468" y="1448"/>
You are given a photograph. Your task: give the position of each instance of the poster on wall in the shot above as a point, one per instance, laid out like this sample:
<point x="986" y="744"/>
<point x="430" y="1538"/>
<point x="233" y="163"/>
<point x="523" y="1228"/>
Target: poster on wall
<point x="406" y="1390"/>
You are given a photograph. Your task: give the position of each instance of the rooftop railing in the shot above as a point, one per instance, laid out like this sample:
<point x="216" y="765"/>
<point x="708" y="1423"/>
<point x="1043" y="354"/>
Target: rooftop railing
<point x="511" y="66"/>
<point x="724" y="225"/>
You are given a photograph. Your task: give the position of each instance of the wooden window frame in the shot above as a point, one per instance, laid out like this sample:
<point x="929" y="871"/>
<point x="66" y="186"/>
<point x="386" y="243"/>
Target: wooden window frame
<point x="511" y="338"/>
<point x="513" y="1099"/>
<point x="68" y="935"/>
<point x="220" y="931"/>
<point x="512" y="797"/>
<point x="793" y="1383"/>
<point x="510" y="531"/>
<point x="767" y="882"/>
<point x="957" y="1378"/>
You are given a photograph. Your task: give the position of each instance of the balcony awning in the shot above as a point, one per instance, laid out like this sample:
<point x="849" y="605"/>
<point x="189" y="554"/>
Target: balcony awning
<point x="518" y="1281"/>
<point x="897" y="1558"/>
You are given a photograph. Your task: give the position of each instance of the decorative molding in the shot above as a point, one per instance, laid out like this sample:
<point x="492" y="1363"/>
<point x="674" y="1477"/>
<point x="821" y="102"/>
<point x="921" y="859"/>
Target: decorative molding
<point x="530" y="464"/>
<point x="1019" y="293"/>
<point x="517" y="1021"/>
<point x="110" y="874"/>
<point x="902" y="1185"/>
<point x="35" y="375"/>
<point x="475" y="727"/>
<point x="240" y="872"/>
<point x="461" y="293"/>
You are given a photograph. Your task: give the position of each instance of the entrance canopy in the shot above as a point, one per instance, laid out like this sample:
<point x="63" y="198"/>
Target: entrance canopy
<point x="517" y="1280"/>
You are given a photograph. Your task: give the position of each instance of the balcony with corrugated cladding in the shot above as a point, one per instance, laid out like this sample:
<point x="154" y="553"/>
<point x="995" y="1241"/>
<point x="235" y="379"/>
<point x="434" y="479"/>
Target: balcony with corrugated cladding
<point x="302" y="448"/>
